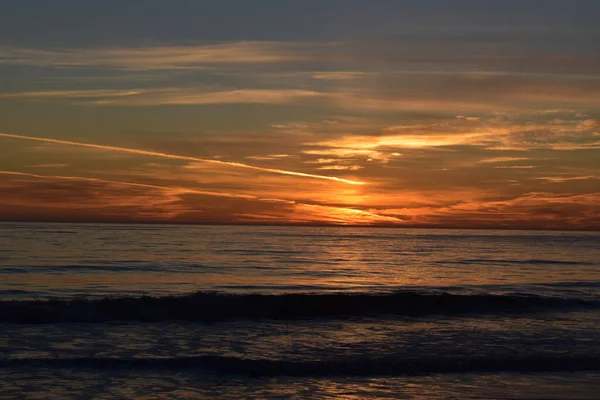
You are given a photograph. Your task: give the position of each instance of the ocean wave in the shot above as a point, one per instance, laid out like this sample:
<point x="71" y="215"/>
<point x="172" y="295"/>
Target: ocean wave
<point x="521" y="262"/>
<point x="349" y="366"/>
<point x="121" y="267"/>
<point x="213" y="306"/>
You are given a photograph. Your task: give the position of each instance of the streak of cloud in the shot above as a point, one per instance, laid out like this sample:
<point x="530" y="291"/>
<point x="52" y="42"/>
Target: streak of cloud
<point x="170" y="96"/>
<point x="203" y="56"/>
<point x="562" y="179"/>
<point x="494" y="160"/>
<point x="71" y="94"/>
<point x="339" y="214"/>
<point x="183" y="158"/>
<point x="159" y="57"/>
<point x="47" y="166"/>
<point x="177" y="190"/>
<point x="492" y="133"/>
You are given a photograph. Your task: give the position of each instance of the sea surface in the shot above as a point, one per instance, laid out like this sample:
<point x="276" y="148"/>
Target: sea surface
<point x="157" y="311"/>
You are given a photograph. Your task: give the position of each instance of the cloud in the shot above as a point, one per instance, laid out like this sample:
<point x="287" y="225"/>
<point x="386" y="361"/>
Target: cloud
<point x="416" y="54"/>
<point x="341" y="167"/>
<point x="53" y="197"/>
<point x="494" y="160"/>
<point x="561" y="179"/>
<point x="71" y="94"/>
<point x="97" y="193"/>
<point x="339" y="75"/>
<point x="173" y="190"/>
<point x="531" y="210"/>
<point x="161" y="57"/>
<point x="198" y="97"/>
<point x="183" y="158"/>
<point x="376" y="93"/>
<point x="47" y="166"/>
<point x="345" y="216"/>
<point x="494" y="133"/>
<point x="330" y="149"/>
<point x="454" y="206"/>
<point x="516" y="166"/>
<point x="268" y="157"/>
<point x="171" y="96"/>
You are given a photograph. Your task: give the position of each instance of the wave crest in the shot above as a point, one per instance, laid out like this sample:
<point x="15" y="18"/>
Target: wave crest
<point x="210" y="306"/>
<point x="351" y="366"/>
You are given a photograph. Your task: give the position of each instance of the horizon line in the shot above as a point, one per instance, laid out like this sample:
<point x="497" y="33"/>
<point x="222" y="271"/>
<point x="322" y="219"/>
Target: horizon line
<point x="299" y="224"/>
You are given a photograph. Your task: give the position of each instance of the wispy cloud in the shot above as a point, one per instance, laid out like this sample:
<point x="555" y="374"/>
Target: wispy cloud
<point x="447" y="94"/>
<point x="341" y="167"/>
<point x="268" y="157"/>
<point x="183" y="158"/>
<point x="71" y="94"/>
<point x="413" y="56"/>
<point x="173" y="190"/>
<point x="199" y="97"/>
<point x="47" y="166"/>
<point x="160" y="57"/>
<point x="494" y="133"/>
<point x="339" y="75"/>
<point x="494" y="160"/>
<point x="292" y="211"/>
<point x="348" y="216"/>
<point x="523" y="211"/>
<point x="170" y="96"/>
<point x="561" y="179"/>
<point x="515" y="166"/>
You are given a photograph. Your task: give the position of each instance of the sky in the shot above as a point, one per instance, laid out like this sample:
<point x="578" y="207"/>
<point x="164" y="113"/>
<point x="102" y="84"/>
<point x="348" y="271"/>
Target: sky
<point x="430" y="113"/>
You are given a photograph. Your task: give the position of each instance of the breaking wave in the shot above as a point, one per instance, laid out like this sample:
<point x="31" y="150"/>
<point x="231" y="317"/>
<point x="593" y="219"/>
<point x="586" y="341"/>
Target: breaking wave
<point x="349" y="366"/>
<point x="212" y="306"/>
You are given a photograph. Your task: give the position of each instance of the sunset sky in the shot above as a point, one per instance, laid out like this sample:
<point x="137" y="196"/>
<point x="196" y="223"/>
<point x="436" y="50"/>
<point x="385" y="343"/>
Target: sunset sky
<point x="463" y="113"/>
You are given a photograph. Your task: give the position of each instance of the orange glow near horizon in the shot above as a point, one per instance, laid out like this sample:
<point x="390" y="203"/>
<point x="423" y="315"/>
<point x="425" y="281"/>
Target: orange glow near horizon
<point x="302" y="212"/>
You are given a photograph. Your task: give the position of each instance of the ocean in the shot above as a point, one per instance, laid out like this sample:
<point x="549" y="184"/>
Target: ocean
<point x="108" y="311"/>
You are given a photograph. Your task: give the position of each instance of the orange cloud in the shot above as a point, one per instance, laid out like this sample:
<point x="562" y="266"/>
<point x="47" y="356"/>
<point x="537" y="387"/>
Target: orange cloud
<point x="160" y="57"/>
<point x="184" y="158"/>
<point x="171" y="204"/>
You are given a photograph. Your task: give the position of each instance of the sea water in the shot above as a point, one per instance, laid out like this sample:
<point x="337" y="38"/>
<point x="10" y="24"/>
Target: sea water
<point x="160" y="311"/>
